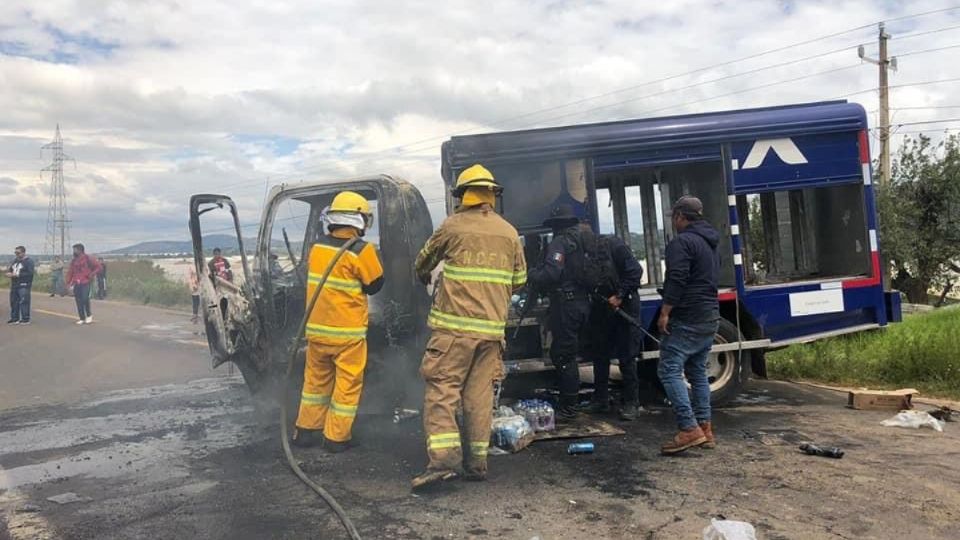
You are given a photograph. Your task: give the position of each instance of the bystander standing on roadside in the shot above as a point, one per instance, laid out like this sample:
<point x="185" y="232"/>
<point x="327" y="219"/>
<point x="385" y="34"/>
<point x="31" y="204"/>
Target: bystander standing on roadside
<point x="20" y="273"/>
<point x="194" y="282"/>
<point x="689" y="319"/>
<point x="57" y="285"/>
<point x="83" y="269"/>
<point x="220" y="266"/>
<point x="102" y="279"/>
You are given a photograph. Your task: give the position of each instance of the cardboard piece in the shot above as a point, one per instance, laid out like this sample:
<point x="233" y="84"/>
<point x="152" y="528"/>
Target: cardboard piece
<point x="880" y="400"/>
<point x="580" y="428"/>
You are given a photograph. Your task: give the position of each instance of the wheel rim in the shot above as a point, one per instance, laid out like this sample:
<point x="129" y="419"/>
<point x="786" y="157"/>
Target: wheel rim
<point x="720" y="366"/>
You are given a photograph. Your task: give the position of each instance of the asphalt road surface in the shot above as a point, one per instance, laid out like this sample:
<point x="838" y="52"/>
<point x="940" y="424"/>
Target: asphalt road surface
<point x="121" y="430"/>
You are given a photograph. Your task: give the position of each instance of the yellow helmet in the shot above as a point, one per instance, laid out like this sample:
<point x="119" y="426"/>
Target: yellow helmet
<point x="475" y="176"/>
<point x="348" y="201"/>
<point x="347" y="207"/>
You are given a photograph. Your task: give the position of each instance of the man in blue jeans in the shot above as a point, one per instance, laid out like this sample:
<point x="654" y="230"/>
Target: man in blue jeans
<point x="688" y="321"/>
<point x="20" y="272"/>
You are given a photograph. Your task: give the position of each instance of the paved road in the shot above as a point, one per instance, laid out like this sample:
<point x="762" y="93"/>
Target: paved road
<point x="54" y="361"/>
<point x="191" y="460"/>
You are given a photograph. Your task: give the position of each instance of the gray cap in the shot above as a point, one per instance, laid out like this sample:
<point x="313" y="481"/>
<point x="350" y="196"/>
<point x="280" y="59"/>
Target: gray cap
<point x="688" y="204"/>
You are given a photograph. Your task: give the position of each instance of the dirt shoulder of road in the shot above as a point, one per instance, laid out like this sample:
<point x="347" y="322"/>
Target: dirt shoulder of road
<point x="917" y="398"/>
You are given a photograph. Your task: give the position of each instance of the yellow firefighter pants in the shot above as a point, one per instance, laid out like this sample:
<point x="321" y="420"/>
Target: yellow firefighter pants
<point x="459" y="371"/>
<point x="332" y="382"/>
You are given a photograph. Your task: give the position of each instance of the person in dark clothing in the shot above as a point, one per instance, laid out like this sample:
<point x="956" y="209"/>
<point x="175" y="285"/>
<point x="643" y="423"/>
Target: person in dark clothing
<point x="610" y="336"/>
<point x="102" y="279"/>
<point x="20" y="272"/>
<point x="689" y="319"/>
<point x="556" y="276"/>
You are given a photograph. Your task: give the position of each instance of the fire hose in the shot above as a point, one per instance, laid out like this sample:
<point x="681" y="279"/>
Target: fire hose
<point x="284" y="437"/>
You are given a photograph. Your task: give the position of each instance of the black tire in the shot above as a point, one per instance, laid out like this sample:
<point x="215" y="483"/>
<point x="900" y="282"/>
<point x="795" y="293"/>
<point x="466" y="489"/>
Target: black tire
<point x="727" y="371"/>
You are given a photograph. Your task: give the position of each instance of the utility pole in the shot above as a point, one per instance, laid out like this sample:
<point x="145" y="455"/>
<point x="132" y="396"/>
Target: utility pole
<point x="884" y="63"/>
<point x="58" y="219"/>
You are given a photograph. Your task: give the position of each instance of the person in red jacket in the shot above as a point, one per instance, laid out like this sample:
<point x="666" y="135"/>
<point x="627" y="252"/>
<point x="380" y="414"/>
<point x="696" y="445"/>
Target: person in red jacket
<point x="83" y="270"/>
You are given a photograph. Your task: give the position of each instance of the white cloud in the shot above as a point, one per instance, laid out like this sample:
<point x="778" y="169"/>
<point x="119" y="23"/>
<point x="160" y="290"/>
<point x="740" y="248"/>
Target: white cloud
<point x="159" y="100"/>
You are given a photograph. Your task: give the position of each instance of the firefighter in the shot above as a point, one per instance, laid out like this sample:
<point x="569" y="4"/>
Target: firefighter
<point x="483" y="264"/>
<point x="560" y="276"/>
<point x="337" y="326"/>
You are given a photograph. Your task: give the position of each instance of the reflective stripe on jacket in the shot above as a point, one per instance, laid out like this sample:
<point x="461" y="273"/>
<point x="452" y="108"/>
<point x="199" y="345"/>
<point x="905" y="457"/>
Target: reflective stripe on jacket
<point x="482" y="265"/>
<point x="341" y="313"/>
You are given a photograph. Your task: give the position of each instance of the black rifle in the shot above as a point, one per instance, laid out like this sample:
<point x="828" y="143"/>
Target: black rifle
<point x="625" y="316"/>
<point x="531" y="299"/>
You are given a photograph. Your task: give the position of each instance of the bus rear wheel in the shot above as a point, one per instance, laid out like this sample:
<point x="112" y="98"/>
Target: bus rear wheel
<point x="727" y="371"/>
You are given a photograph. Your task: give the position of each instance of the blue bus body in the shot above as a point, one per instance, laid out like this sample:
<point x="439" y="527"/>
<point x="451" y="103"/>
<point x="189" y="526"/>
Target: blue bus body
<point x="802" y="171"/>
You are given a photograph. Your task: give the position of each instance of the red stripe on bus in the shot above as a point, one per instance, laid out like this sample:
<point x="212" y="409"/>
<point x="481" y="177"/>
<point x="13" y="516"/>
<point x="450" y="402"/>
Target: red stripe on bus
<point x="864" y="144"/>
<point x="872" y="281"/>
<point x="723" y="297"/>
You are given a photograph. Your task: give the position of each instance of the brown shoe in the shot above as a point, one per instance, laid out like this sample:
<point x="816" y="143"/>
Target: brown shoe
<point x="707" y="428"/>
<point x="683" y="440"/>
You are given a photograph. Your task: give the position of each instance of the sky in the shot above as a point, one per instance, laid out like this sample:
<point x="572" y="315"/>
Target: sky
<point x="158" y="100"/>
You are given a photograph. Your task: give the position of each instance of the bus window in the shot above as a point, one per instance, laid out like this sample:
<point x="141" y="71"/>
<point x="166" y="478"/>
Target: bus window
<point x="533" y="190"/>
<point x="808" y="234"/>
<point x="647" y="194"/>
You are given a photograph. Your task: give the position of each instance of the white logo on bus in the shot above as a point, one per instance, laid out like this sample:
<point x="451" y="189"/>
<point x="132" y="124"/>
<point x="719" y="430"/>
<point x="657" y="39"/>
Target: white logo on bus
<point x="785" y="149"/>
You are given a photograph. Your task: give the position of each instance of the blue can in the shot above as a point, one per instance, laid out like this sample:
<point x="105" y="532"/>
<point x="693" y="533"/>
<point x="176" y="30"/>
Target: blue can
<point x="580" y="448"/>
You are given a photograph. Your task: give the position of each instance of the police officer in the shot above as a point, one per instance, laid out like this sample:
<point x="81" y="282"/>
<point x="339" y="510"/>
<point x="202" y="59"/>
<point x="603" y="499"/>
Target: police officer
<point x="610" y="335"/>
<point x="559" y="277"/>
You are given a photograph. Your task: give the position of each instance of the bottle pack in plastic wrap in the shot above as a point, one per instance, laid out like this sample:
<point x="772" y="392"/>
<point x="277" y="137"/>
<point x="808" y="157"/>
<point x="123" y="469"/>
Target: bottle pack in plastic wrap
<point x="511" y="433"/>
<point x="539" y="414"/>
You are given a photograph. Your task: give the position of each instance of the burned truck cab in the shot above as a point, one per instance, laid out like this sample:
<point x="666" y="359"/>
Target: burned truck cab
<point x="254" y="320"/>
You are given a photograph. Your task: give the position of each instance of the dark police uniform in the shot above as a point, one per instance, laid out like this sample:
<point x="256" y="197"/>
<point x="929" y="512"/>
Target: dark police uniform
<point x="610" y="336"/>
<point x="569" y="309"/>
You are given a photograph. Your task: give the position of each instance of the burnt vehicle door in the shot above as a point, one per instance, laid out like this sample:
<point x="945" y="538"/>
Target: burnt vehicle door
<point x="231" y="313"/>
<point x="290" y="225"/>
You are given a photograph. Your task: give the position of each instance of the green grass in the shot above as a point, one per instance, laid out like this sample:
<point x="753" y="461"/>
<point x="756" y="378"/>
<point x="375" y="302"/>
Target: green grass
<point x="145" y="283"/>
<point x="923" y="352"/>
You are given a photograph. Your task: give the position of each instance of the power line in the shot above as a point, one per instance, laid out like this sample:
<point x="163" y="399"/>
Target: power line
<point x="905" y="85"/>
<point x="911" y="53"/>
<point x="665" y="79"/>
<point x="932" y="107"/>
<point x="925" y="33"/>
<point x="929" y="122"/>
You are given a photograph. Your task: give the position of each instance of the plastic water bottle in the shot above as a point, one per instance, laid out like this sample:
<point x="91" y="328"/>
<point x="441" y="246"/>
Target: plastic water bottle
<point x="580" y="448"/>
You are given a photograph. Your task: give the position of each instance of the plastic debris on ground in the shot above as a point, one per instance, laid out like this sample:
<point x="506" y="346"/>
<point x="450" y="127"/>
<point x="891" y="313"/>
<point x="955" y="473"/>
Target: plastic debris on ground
<point x="511" y="431"/>
<point x="723" y="529"/>
<point x="67" y="498"/>
<point x="945" y="414"/>
<point x="914" y="419"/>
<point x="823" y="451"/>
<point x="401" y="415"/>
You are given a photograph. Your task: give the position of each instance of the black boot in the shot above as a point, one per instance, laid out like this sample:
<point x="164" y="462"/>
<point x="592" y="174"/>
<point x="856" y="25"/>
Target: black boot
<point x="568" y="406"/>
<point x="305" y="438"/>
<point x="629" y="412"/>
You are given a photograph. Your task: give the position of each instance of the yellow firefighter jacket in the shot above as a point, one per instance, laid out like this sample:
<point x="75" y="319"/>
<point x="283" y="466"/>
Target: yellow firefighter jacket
<point x="482" y="264"/>
<point x="340" y="314"/>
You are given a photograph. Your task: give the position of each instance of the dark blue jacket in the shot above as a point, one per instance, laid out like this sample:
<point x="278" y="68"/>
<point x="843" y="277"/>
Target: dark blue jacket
<point x="555" y="273"/>
<point x="692" y="268"/>
<point x="24" y="271"/>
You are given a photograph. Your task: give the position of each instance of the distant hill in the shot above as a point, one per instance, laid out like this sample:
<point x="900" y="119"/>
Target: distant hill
<point x="226" y="242"/>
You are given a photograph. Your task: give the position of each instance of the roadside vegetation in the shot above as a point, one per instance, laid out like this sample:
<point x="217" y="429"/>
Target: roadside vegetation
<point x="922" y="352"/>
<point x="143" y="282"/>
<point x="920" y="219"/>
